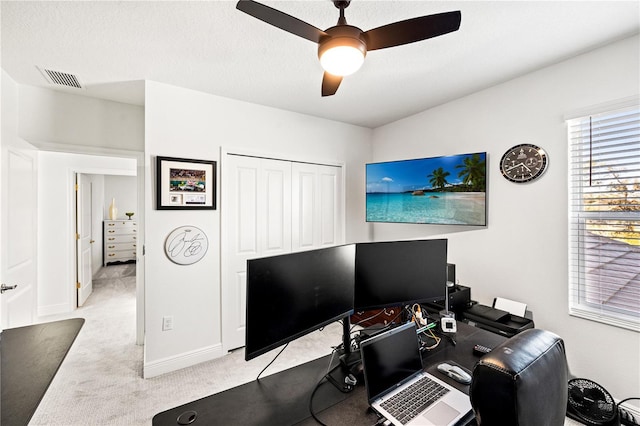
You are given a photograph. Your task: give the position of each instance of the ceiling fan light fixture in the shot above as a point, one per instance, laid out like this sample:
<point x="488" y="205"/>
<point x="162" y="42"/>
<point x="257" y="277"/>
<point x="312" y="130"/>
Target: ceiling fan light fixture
<point x="342" y="60"/>
<point x="342" y="55"/>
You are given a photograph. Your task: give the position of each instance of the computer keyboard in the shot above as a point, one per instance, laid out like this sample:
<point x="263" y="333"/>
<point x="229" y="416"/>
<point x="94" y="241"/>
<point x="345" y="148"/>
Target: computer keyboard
<point x="410" y="402"/>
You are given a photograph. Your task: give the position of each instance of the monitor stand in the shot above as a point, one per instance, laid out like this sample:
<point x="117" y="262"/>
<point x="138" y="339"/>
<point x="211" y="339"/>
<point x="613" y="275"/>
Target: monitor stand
<point x="347" y="372"/>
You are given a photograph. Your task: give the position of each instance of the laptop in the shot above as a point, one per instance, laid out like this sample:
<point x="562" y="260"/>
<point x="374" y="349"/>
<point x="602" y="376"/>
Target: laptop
<point x="393" y="369"/>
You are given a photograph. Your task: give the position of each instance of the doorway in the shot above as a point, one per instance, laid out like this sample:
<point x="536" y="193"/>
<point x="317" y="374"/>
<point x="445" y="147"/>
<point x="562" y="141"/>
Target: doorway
<point x="106" y="228"/>
<point x="57" y="292"/>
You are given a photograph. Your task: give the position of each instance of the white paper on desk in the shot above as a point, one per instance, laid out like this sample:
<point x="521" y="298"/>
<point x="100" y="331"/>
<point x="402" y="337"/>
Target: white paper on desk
<point x="511" y="306"/>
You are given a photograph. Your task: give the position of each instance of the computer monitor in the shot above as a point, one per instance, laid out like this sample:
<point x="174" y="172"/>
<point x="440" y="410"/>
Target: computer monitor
<point x="294" y="294"/>
<point x="399" y="273"/>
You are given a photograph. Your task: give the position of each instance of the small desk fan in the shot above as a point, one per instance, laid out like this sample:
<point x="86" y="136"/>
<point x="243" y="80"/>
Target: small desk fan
<point x="591" y="404"/>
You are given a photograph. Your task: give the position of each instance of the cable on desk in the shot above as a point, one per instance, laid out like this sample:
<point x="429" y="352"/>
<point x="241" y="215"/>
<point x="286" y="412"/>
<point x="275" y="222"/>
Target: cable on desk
<point x="326" y="376"/>
<point x="396" y="317"/>
<point x="429" y="333"/>
<point x="383" y="311"/>
<point x="382" y="421"/>
<point x="370" y="318"/>
<point x="274" y="358"/>
<point x="388" y="324"/>
<point x="453" y="339"/>
<point x="315" y="389"/>
<point x="416" y="314"/>
<point x="333" y="353"/>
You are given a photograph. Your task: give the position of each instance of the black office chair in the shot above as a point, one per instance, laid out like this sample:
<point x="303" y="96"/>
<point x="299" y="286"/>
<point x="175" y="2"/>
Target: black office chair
<point x="522" y="382"/>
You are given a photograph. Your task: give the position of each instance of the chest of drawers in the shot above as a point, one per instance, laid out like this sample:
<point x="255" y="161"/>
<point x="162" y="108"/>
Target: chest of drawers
<point x="120" y="241"/>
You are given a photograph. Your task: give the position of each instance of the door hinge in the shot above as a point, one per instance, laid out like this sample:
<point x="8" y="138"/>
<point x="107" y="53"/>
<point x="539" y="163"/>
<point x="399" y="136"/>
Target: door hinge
<point x="78" y="285"/>
<point x="77" y="187"/>
<point x="77" y="236"/>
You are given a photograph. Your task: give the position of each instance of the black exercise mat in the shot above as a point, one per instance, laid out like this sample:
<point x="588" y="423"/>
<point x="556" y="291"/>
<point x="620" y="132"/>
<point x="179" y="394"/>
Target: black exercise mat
<point x="30" y="358"/>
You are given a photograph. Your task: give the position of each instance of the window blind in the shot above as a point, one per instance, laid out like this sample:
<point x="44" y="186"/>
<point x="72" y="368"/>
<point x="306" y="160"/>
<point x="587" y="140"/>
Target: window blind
<point x="604" y="215"/>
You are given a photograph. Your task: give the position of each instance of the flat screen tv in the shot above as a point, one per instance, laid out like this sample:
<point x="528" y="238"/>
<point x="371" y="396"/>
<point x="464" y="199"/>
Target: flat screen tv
<point x="294" y="294"/>
<point x="399" y="273"/>
<point x="448" y="190"/>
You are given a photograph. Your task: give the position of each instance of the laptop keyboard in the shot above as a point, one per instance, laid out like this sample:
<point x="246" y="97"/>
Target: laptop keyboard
<point x="410" y="402"/>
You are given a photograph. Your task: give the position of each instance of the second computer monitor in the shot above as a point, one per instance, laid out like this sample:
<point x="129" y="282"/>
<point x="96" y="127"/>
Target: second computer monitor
<point x="399" y="273"/>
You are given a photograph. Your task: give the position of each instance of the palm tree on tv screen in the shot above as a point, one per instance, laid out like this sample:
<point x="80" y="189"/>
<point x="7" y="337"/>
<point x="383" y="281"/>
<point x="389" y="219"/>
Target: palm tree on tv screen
<point x="438" y="178"/>
<point x="473" y="172"/>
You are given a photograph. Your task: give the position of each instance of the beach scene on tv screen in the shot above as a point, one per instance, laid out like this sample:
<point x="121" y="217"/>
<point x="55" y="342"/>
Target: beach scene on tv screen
<point x="438" y="190"/>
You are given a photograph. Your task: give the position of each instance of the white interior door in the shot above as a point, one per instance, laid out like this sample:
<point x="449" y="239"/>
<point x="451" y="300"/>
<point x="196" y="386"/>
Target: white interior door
<point x="18" y="266"/>
<point x="84" y="238"/>
<point x="256" y="223"/>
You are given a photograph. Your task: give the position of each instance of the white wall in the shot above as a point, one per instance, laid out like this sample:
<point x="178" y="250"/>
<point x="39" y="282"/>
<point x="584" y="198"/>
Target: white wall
<point x="188" y="124"/>
<point x="124" y="190"/>
<point x="50" y="117"/>
<point x="522" y="253"/>
<point x="56" y="222"/>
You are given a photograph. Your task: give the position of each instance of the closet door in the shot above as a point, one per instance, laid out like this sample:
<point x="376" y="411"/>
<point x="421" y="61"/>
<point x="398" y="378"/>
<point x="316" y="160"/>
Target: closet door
<point x="317" y="204"/>
<point x="256" y="218"/>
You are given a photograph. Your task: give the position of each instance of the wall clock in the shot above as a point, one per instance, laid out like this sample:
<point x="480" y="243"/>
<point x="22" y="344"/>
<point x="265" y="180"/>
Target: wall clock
<point x="523" y="163"/>
<point x="186" y="245"/>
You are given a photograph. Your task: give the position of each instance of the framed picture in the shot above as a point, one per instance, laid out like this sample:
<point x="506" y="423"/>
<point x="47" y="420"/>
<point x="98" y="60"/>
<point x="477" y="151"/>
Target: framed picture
<point x="184" y="184"/>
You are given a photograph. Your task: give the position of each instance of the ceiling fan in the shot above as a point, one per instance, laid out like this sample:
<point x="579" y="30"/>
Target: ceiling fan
<point x="342" y="48"/>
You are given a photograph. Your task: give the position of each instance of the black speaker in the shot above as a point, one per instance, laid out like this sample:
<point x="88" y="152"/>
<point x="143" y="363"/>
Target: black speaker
<point x="459" y="298"/>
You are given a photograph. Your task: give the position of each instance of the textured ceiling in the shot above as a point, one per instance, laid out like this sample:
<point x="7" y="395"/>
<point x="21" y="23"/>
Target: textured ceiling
<point x="211" y="47"/>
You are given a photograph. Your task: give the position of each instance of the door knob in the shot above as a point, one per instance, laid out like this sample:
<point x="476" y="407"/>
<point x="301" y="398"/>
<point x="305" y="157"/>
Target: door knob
<point x="5" y="287"/>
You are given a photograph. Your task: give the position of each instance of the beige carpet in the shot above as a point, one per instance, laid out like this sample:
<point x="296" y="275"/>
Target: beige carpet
<point x="100" y="383"/>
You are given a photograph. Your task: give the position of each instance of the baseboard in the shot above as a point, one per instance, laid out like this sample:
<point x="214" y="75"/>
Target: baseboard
<point x="183" y="360"/>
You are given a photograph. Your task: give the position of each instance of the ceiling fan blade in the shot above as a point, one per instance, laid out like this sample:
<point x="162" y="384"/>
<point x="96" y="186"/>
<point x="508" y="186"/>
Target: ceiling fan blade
<point x="281" y="20"/>
<point x="330" y="84"/>
<point x="412" y="30"/>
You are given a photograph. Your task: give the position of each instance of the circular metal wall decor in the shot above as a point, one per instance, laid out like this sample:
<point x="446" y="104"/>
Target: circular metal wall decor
<point x="186" y="245"/>
<point x="523" y="163"/>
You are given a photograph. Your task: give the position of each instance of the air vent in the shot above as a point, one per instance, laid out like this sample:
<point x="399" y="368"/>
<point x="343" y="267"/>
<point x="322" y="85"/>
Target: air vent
<point x="61" y="78"/>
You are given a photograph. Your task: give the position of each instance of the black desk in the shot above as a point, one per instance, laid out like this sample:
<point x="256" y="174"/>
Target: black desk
<point x="283" y="398"/>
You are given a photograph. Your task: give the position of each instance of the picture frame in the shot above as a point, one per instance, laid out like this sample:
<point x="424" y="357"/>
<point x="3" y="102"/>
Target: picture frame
<point x="185" y="184"/>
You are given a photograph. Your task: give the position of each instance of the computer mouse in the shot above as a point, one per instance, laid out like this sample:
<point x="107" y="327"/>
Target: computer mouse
<point x="455" y="372"/>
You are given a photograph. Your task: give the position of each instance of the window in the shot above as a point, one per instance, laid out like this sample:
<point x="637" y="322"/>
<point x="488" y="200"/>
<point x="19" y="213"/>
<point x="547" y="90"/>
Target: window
<point x="604" y="207"/>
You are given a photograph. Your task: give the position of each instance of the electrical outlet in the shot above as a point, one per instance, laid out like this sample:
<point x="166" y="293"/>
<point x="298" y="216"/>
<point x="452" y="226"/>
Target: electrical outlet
<point x="167" y="323"/>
